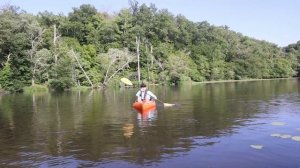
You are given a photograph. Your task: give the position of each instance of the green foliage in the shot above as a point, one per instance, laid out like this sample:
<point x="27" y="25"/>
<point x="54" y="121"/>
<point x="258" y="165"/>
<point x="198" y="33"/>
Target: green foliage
<point x="172" y="49"/>
<point x="84" y="24"/>
<point x="61" y="75"/>
<point x="35" y="89"/>
<point x="113" y="62"/>
<point x="283" y="68"/>
<point x="41" y="64"/>
<point x="6" y="77"/>
<point x="14" y="43"/>
<point x="124" y="22"/>
<point x="180" y="68"/>
<point x="60" y="84"/>
<point x="80" y="88"/>
<point x="293" y="55"/>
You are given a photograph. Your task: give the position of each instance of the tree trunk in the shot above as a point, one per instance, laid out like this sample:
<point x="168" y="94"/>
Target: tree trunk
<point x="137" y="39"/>
<point x="32" y="82"/>
<point x="148" y="69"/>
<point x="54" y="43"/>
<point x="8" y="58"/>
<point x="118" y="70"/>
<point x="35" y="42"/>
<point x="151" y="53"/>
<point x="87" y="77"/>
<point x="106" y="74"/>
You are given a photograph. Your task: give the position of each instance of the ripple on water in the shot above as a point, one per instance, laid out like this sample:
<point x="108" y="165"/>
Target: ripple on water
<point x="278" y="123"/>
<point x="257" y="146"/>
<point x="296" y="138"/>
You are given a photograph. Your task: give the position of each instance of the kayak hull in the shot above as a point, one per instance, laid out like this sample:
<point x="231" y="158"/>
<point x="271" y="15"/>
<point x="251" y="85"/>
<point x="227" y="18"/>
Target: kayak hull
<point x="144" y="106"/>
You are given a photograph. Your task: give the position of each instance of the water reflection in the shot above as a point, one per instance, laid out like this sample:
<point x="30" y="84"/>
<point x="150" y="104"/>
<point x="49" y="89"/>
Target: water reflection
<point x="128" y="130"/>
<point x="146" y="118"/>
<point x="59" y="133"/>
<point x="99" y="128"/>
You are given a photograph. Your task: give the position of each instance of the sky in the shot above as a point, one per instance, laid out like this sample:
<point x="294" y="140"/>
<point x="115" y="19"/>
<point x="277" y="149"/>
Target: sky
<point x="276" y="21"/>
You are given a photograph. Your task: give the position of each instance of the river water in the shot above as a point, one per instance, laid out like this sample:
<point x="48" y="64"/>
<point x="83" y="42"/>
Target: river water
<point x="211" y="126"/>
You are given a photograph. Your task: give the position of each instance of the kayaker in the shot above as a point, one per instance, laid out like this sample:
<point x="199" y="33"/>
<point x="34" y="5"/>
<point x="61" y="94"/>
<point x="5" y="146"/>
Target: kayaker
<point x="144" y="94"/>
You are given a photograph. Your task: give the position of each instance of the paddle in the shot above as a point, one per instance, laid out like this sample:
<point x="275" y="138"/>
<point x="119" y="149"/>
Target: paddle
<point x="166" y="104"/>
<point x="128" y="82"/>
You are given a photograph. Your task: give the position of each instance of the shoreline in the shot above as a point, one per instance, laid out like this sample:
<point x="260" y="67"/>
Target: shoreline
<point x="243" y="80"/>
<point x="2" y="92"/>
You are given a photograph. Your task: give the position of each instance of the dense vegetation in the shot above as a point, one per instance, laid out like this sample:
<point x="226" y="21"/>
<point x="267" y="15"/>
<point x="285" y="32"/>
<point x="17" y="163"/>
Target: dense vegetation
<point x="90" y="48"/>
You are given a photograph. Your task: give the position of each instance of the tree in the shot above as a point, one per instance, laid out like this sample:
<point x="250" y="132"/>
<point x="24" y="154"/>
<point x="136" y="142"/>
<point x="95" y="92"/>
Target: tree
<point x="72" y="53"/>
<point x="41" y="66"/>
<point x="292" y="52"/>
<point x="109" y="36"/>
<point x="283" y="68"/>
<point x="180" y="68"/>
<point x="115" y="61"/>
<point x="61" y="71"/>
<point x="6" y="76"/>
<point x="36" y="39"/>
<point x="124" y="21"/>
<point x="170" y="49"/>
<point x="15" y="41"/>
<point x="84" y="24"/>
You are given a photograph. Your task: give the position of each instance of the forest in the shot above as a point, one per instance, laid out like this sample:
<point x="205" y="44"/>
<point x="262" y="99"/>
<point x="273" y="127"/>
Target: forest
<point x="90" y="48"/>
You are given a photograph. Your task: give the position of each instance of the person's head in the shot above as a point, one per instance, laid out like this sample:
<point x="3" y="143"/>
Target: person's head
<point x="143" y="87"/>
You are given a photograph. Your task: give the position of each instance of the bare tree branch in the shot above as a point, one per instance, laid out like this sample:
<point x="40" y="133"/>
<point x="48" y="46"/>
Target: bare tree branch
<point x="87" y="77"/>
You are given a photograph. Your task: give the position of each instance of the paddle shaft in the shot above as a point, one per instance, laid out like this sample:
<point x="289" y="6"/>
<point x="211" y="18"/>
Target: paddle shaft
<point x="166" y="104"/>
<point x="159" y="100"/>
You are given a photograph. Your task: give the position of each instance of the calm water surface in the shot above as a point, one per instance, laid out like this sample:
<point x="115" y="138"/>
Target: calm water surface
<point x="212" y="126"/>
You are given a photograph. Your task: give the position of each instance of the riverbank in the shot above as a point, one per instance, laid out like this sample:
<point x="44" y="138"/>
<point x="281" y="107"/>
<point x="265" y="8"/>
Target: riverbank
<point x="44" y="88"/>
<point x="243" y="80"/>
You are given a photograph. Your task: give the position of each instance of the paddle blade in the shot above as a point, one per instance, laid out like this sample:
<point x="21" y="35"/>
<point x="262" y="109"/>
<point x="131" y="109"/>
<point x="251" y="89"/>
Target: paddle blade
<point x="126" y="81"/>
<point x="168" y="105"/>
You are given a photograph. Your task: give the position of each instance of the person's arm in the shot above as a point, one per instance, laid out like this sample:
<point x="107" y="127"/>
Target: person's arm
<point x="151" y="94"/>
<point x="138" y="96"/>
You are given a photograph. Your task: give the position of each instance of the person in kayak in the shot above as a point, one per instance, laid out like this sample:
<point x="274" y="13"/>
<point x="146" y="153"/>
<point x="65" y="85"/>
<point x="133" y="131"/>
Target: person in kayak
<point x="144" y="94"/>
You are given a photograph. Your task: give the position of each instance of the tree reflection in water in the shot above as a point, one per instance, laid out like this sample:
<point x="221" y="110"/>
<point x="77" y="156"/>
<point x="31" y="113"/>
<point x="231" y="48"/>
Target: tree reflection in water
<point x="146" y="119"/>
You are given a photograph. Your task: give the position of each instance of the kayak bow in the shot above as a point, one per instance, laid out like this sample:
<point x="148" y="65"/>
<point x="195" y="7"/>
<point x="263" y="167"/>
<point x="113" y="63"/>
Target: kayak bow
<point x="144" y="106"/>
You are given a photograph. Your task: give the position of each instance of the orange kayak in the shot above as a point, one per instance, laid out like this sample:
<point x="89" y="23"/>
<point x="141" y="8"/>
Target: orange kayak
<point x="144" y="106"/>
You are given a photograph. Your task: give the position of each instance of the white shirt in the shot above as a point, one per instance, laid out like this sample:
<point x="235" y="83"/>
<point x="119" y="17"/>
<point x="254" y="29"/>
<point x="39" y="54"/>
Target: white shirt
<point x="148" y="96"/>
